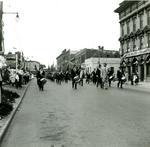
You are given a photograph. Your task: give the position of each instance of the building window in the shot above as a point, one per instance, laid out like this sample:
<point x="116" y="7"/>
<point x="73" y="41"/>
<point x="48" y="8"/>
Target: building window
<point x="127" y="46"/>
<point x="134" y="46"/>
<point x="141" y="42"/>
<point x="128" y="27"/>
<point x="148" y="17"/>
<point x="122" y="50"/>
<point x="122" y="29"/>
<point x="134" y="24"/>
<point x="148" y="40"/>
<point x="141" y="21"/>
<point x="128" y="11"/>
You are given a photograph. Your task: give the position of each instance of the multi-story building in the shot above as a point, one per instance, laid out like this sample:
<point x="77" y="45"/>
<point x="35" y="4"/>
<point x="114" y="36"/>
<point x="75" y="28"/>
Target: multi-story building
<point x="15" y="61"/>
<point x="135" y="37"/>
<point x="32" y="66"/>
<point x="82" y="55"/>
<point x="112" y="63"/>
<point x="63" y="60"/>
<point x="69" y="58"/>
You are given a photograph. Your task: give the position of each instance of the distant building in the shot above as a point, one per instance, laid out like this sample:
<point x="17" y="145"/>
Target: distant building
<point x="32" y="66"/>
<point x="82" y="55"/>
<point x="92" y="63"/>
<point x="63" y="60"/>
<point x="68" y="59"/>
<point x="135" y="37"/>
<point x="15" y="60"/>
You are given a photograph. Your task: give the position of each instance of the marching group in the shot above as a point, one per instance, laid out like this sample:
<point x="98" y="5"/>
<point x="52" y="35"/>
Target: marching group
<point x="102" y="77"/>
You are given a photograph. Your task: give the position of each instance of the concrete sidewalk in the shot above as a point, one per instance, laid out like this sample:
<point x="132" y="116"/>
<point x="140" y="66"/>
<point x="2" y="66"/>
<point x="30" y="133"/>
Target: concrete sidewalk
<point x="5" y="122"/>
<point x="141" y="86"/>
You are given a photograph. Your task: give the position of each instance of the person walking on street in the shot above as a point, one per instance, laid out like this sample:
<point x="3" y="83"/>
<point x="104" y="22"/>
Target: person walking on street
<point x="99" y="77"/>
<point x="88" y="77"/>
<point x="40" y="77"/>
<point x="94" y="76"/>
<point x="110" y="76"/>
<point x="73" y="74"/>
<point x="81" y="76"/>
<point x="105" y="76"/>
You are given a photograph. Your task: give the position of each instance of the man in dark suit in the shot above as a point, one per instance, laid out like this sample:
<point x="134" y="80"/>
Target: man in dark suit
<point x="40" y="74"/>
<point x="119" y="76"/>
<point x="98" y="76"/>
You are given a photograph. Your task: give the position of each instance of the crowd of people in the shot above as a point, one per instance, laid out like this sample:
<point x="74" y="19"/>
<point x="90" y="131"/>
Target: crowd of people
<point x="102" y="77"/>
<point x="15" y="77"/>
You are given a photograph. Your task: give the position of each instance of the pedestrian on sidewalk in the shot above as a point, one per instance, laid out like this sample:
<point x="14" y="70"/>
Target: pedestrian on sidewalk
<point x="121" y="77"/>
<point x="110" y="76"/>
<point x="17" y="80"/>
<point x="136" y="78"/>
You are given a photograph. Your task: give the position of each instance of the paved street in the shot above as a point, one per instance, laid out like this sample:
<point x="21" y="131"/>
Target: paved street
<point x="86" y="117"/>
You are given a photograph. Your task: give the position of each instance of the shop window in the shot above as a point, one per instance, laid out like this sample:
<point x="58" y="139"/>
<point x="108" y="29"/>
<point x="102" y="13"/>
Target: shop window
<point x="148" y="69"/>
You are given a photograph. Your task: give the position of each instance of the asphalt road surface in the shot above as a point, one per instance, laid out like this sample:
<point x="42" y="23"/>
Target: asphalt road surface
<point x="86" y="117"/>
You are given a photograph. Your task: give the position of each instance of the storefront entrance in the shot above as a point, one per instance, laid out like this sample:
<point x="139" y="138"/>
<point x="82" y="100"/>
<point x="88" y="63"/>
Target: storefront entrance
<point x="142" y="73"/>
<point x="129" y="72"/>
<point x="148" y="69"/>
<point x="134" y="65"/>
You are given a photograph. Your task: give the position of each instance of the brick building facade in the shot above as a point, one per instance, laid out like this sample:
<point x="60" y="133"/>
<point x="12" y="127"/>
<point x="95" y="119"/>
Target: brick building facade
<point x="135" y="37"/>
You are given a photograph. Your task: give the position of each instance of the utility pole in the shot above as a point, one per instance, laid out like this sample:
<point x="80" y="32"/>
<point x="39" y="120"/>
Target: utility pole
<point x="1" y="47"/>
<point x="1" y="29"/>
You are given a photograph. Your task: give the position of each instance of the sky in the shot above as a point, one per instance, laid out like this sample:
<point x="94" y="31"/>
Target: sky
<point x="46" y="27"/>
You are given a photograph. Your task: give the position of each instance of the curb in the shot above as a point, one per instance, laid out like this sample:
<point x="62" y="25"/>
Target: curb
<point x="12" y="114"/>
<point x="133" y="88"/>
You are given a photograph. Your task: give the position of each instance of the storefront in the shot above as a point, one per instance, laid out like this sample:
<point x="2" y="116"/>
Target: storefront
<point x="137" y="62"/>
<point x="141" y="64"/>
<point x="148" y="67"/>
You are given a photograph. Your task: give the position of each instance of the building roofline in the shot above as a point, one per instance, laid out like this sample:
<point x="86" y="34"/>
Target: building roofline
<point x="123" y="5"/>
<point x="32" y="61"/>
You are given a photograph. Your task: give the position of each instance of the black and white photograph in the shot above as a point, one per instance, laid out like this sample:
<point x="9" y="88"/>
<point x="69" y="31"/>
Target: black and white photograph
<point x="74" y="73"/>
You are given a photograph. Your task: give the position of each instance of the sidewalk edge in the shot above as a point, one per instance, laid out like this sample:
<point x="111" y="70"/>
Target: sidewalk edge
<point x="133" y="88"/>
<point x="7" y="124"/>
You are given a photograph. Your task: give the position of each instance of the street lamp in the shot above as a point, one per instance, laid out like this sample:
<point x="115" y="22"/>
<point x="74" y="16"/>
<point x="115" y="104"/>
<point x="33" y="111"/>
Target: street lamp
<point x="17" y="14"/>
<point x="1" y="33"/>
<point x="1" y="24"/>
